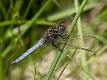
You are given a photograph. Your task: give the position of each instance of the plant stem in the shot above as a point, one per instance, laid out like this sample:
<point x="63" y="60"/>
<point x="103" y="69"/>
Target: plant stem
<point x="1" y="66"/>
<point x="81" y="43"/>
<point x="52" y="68"/>
<point x="23" y="30"/>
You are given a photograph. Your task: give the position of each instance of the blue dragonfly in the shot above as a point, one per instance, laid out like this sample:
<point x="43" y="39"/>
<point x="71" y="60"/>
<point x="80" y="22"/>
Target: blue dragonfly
<point x="51" y="35"/>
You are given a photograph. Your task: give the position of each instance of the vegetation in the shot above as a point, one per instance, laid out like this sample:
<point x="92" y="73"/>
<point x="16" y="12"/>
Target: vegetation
<point x="22" y="24"/>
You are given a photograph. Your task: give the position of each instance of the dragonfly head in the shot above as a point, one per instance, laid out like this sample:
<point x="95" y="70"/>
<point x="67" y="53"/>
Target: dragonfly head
<point x="61" y="28"/>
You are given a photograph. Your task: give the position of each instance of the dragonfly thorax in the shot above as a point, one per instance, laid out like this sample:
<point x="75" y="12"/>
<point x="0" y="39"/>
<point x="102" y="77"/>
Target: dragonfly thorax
<point x="53" y="32"/>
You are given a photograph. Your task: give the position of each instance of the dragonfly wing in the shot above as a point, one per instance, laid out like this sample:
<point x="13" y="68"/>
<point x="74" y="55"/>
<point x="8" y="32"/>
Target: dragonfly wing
<point x="40" y="42"/>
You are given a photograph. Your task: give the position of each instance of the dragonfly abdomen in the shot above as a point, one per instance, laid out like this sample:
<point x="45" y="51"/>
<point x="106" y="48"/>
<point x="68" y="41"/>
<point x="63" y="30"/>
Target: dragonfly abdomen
<point x="40" y="42"/>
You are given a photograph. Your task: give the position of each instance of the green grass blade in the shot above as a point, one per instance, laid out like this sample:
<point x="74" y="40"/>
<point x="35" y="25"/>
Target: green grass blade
<point x="23" y="30"/>
<point x="66" y="65"/>
<point x="65" y="12"/>
<point x="52" y="68"/>
<point x="28" y="8"/>
<point x="3" y="10"/>
<point x="81" y="67"/>
<point x="19" y="22"/>
<point x="18" y="5"/>
<point x="81" y="42"/>
<point x="1" y="66"/>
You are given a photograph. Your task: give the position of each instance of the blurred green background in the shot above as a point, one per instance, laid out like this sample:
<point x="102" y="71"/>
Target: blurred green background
<point x="22" y="24"/>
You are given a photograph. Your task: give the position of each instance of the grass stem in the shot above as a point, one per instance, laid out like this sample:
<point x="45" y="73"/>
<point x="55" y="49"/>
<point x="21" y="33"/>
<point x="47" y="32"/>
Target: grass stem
<point x="53" y="66"/>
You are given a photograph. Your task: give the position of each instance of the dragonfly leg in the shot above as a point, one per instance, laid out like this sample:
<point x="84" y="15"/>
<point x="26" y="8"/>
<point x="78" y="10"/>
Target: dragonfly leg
<point x="53" y="44"/>
<point x="63" y="37"/>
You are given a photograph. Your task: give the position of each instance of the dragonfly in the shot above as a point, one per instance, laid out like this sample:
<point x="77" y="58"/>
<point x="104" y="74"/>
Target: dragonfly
<point x="50" y="35"/>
